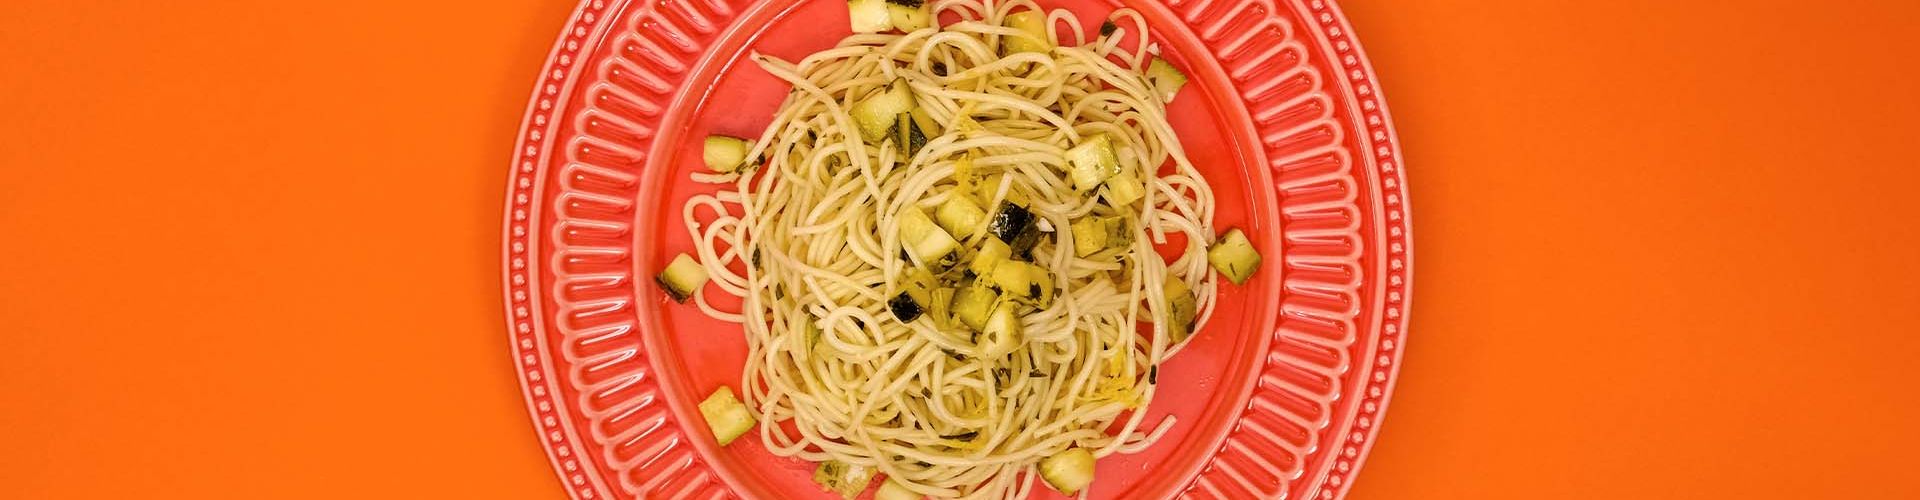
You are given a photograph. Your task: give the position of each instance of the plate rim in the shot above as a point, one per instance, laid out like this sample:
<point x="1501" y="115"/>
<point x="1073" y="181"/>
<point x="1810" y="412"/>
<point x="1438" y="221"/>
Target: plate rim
<point x="1330" y="29"/>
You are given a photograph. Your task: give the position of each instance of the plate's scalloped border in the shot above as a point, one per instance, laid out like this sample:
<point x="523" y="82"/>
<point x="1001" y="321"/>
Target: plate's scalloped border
<point x="519" y="270"/>
<point x="1356" y="429"/>
<point x="1396" y="223"/>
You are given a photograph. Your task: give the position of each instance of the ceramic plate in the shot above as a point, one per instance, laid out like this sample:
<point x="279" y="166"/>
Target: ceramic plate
<point x="1280" y="395"/>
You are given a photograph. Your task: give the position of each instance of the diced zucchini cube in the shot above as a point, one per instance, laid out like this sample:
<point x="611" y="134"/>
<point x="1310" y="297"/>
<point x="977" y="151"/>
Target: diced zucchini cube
<point x="725" y="154"/>
<point x="923" y="238"/>
<point x="876" y="114"/>
<point x="1093" y="162"/>
<point x="1001" y="334"/>
<point x="1023" y="281"/>
<point x="909" y="15"/>
<point x="869" y="16"/>
<point x="1118" y="234"/>
<point x="913" y="296"/>
<point x="1011" y="277"/>
<point x="682" y="278"/>
<point x="1089" y="235"/>
<point x="928" y="126"/>
<point x="907" y="135"/>
<point x="992" y="253"/>
<point x="726" y="416"/>
<point x="1010" y="221"/>
<point x="960" y="216"/>
<point x="1034" y="24"/>
<point x="1124" y="188"/>
<point x="1069" y="471"/>
<point x="1234" y="256"/>
<point x="973" y="304"/>
<point x="843" y="478"/>
<point x="1166" y="80"/>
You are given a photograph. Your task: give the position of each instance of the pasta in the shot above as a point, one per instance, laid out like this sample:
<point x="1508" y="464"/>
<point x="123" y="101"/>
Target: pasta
<point x="1055" y="180"/>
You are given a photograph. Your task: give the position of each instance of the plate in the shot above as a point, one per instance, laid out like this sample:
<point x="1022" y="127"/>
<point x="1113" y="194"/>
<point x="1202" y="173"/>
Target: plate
<point x="1279" y="396"/>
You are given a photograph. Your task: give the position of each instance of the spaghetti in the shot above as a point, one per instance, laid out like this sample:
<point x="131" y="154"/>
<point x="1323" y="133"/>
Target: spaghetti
<point x="816" y="236"/>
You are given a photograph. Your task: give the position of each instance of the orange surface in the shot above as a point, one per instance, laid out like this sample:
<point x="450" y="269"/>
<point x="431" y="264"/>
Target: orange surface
<point x="1666" y="250"/>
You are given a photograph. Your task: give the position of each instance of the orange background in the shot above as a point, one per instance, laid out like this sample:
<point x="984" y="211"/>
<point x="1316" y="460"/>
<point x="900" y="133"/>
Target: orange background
<point x="1666" y="250"/>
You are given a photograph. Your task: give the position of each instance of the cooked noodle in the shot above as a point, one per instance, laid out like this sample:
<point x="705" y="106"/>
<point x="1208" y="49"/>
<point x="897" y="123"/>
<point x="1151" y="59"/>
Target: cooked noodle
<point x="808" y="237"/>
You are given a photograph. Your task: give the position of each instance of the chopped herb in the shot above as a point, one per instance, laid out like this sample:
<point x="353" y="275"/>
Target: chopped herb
<point x="1153" y="374"/>
<point x="1106" y="28"/>
<point x="964" y="436"/>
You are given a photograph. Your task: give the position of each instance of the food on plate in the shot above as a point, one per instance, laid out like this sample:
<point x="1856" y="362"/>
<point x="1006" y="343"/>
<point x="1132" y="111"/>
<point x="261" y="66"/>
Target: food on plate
<point x="682" y="278"/>
<point x="961" y="251"/>
<point x="726" y="415"/>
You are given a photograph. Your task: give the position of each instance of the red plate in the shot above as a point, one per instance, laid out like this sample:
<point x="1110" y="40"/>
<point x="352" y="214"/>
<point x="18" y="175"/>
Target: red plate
<point x="1280" y="395"/>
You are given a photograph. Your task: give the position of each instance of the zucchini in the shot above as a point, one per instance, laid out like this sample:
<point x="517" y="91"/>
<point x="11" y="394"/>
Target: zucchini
<point x="726" y="415"/>
<point x="682" y="277"/>
<point x="1181" y="309"/>
<point x="876" y="114"/>
<point x="1010" y="221"/>
<point x="1069" y="471"/>
<point x="869" y="16"/>
<point x="893" y="490"/>
<point x="1234" y="256"/>
<point x="1089" y="236"/>
<point x="840" y="477"/>
<point x="907" y="135"/>
<point x="1093" y="162"/>
<point x="973" y="304"/>
<point x="1023" y="244"/>
<point x="1001" y="333"/>
<point x="1118" y="234"/>
<point x="914" y="296"/>
<point x="1166" y="80"/>
<point x="909" y="15"/>
<point x="1124" y="188"/>
<point x="725" y="154"/>
<point x="928" y="126"/>
<point x="920" y="237"/>
<point x="1023" y="281"/>
<point x="1010" y="277"/>
<point x="904" y="307"/>
<point x="960" y="216"/>
<point x="1034" y="23"/>
<point x="992" y="253"/>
